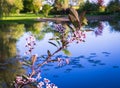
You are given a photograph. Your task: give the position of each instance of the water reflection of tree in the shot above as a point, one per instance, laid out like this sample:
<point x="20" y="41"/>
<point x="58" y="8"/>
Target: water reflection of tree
<point x="9" y="68"/>
<point x="93" y="24"/>
<point x="115" y="25"/>
<point x="96" y="26"/>
<point x="36" y="29"/>
<point x="8" y="71"/>
<point x="9" y="33"/>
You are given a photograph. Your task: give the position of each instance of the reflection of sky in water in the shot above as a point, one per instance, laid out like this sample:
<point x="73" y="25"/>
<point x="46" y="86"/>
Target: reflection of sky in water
<point x="94" y="66"/>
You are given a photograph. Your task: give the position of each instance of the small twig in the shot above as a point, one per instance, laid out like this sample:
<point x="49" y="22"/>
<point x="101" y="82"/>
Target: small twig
<point x="48" y="59"/>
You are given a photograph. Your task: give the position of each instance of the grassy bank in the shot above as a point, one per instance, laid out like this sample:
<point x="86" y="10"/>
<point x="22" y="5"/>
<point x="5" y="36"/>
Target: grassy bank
<point x="29" y="18"/>
<point x="22" y="18"/>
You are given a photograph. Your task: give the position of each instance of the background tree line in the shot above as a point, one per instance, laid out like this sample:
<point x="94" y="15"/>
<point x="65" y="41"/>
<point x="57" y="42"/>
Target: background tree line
<point x="99" y="8"/>
<point x="8" y="7"/>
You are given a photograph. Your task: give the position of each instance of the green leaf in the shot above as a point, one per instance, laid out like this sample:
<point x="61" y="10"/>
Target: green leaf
<point x="67" y="52"/>
<point x="52" y="38"/>
<point x="28" y="62"/>
<point x="58" y="43"/>
<point x="53" y="44"/>
<point x="85" y="21"/>
<point x="74" y="18"/>
<point x="49" y="54"/>
<point x="74" y="13"/>
<point x="25" y="76"/>
<point x="42" y="56"/>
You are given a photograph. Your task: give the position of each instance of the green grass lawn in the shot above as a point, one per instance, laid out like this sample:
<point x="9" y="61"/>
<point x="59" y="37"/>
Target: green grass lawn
<point x="28" y="17"/>
<point x="22" y="17"/>
<point x="25" y="18"/>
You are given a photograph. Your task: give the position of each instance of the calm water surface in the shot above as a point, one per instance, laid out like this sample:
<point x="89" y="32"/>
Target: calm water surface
<point x="94" y="63"/>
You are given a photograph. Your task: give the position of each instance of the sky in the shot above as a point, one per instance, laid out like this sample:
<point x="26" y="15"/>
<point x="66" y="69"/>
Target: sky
<point x="105" y="1"/>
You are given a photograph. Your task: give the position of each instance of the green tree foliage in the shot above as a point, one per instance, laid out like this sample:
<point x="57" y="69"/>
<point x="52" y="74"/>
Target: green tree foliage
<point x="113" y="6"/>
<point x="77" y="2"/>
<point x="65" y="4"/>
<point x="32" y="6"/>
<point x="89" y="7"/>
<point x="17" y="6"/>
<point x="101" y="6"/>
<point x="37" y="4"/>
<point x="57" y="5"/>
<point x="5" y="7"/>
<point x="28" y="6"/>
<point x="61" y="4"/>
<point x="10" y="6"/>
<point x="46" y="9"/>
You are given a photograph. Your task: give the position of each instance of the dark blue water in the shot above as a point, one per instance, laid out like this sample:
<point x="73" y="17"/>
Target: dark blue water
<point x="94" y="63"/>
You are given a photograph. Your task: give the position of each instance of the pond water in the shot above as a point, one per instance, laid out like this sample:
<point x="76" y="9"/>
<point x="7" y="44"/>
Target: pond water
<point x="94" y="63"/>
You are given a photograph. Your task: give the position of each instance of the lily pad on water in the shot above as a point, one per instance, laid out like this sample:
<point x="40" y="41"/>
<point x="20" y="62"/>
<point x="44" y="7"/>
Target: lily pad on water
<point x="46" y="69"/>
<point x="115" y="66"/>
<point x="55" y="76"/>
<point x="92" y="53"/>
<point x="106" y="53"/>
<point x="78" y="66"/>
<point x="102" y="64"/>
<point x="67" y="70"/>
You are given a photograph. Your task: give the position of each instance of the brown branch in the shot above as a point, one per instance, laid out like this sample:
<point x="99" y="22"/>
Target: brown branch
<point x="48" y="59"/>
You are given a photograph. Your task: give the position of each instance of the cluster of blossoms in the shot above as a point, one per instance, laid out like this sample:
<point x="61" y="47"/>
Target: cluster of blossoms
<point x="46" y="83"/>
<point x="78" y="36"/>
<point x="59" y="28"/>
<point x="22" y="81"/>
<point x="30" y="44"/>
